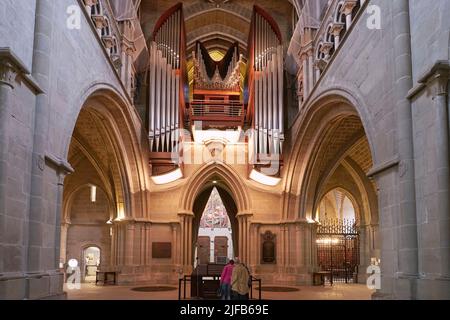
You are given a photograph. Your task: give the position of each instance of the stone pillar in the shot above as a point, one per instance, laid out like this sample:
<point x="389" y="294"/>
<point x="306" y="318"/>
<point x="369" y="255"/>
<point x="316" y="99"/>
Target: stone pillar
<point x="41" y="72"/>
<point x="243" y="240"/>
<point x="310" y="72"/>
<point x="407" y="272"/>
<point x="148" y="245"/>
<point x="336" y="30"/>
<point x="304" y="61"/>
<point x="129" y="243"/>
<point x="186" y="241"/>
<point x="437" y="81"/>
<point x="8" y="74"/>
<point x="63" y="251"/>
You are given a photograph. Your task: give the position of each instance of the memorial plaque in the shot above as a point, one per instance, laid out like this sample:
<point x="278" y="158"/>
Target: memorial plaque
<point x="268" y="245"/>
<point x="161" y="250"/>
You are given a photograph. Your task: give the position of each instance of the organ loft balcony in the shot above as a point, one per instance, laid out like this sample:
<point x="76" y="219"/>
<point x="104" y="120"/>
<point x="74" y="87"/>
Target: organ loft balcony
<point x="216" y="99"/>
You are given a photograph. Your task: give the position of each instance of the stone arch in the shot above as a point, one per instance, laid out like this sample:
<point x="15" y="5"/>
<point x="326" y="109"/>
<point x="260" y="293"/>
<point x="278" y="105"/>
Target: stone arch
<point x="353" y="199"/>
<point x="325" y="108"/>
<point x="118" y="121"/>
<point x="202" y="179"/>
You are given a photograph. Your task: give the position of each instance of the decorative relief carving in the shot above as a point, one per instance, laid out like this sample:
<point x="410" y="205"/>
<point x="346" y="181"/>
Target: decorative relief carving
<point x="7" y="73"/>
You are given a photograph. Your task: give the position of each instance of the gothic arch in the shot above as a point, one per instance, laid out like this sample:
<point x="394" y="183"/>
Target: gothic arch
<point x="117" y="121"/>
<point x="202" y="178"/>
<point x="325" y="109"/>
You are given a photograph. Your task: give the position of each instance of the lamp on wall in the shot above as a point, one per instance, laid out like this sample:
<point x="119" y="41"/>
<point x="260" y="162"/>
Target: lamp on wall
<point x="120" y="211"/>
<point x="93" y="193"/>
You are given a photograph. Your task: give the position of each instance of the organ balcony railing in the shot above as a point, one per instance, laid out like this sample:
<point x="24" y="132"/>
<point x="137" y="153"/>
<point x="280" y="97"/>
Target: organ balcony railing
<point x="229" y="113"/>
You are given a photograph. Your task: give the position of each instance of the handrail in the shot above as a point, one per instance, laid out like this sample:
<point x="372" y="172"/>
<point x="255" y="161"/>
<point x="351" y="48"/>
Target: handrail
<point x="186" y="278"/>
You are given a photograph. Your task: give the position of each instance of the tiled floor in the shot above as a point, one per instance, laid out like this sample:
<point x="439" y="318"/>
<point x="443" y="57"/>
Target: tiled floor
<point x="336" y="292"/>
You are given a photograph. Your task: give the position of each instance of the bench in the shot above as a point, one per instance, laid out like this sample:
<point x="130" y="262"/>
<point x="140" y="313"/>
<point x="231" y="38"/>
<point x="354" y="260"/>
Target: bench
<point x="321" y="275"/>
<point x="102" y="276"/>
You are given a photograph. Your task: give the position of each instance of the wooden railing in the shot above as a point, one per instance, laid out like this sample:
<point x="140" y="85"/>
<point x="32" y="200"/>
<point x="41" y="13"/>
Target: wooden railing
<point x="217" y="110"/>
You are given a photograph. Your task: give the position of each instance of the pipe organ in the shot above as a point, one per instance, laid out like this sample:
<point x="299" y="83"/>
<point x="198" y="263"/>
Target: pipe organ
<point x="265" y="80"/>
<point x="218" y="100"/>
<point x="167" y="78"/>
<point x="217" y="89"/>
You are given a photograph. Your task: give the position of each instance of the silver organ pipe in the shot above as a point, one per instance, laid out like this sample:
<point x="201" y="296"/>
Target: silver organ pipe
<point x="165" y="82"/>
<point x="268" y="84"/>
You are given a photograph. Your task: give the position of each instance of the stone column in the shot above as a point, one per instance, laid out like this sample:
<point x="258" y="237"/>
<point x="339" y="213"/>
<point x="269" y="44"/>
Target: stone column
<point x="186" y="241"/>
<point x="41" y="72"/>
<point x="310" y="72"/>
<point x="148" y="245"/>
<point x="243" y="219"/>
<point x="336" y="30"/>
<point x="407" y="272"/>
<point x="174" y="243"/>
<point x="63" y="252"/>
<point x="437" y="80"/>
<point x="7" y="79"/>
<point x="304" y="61"/>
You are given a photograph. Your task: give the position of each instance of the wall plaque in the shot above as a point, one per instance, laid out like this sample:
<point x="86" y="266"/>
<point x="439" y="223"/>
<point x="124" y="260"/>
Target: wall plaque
<point x="161" y="250"/>
<point x="268" y="246"/>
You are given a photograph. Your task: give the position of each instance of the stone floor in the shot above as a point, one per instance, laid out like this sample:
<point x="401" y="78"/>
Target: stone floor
<point x="336" y="292"/>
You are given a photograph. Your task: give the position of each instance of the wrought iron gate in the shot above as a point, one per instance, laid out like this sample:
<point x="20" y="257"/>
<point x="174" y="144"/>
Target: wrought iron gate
<point x="337" y="244"/>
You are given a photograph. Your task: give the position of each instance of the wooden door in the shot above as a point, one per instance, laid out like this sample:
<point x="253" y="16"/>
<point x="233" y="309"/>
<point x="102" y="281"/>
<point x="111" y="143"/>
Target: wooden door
<point x="204" y="247"/>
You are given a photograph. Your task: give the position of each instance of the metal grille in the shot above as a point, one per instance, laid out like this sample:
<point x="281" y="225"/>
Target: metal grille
<point x="337" y="245"/>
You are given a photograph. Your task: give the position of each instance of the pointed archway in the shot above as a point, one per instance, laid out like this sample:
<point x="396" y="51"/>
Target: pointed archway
<point x="193" y="201"/>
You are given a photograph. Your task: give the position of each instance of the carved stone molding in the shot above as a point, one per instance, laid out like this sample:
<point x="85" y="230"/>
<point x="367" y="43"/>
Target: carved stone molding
<point x="10" y="67"/>
<point x="336" y="28"/>
<point x="348" y="6"/>
<point x="90" y="3"/>
<point x="8" y="73"/>
<point x="437" y="78"/>
<point x="99" y="21"/>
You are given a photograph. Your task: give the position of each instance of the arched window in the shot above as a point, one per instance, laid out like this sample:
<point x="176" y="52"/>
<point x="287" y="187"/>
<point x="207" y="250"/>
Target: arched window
<point x="337" y="204"/>
<point x="106" y="30"/>
<point x="114" y="49"/>
<point x="330" y="39"/>
<point x="96" y="9"/>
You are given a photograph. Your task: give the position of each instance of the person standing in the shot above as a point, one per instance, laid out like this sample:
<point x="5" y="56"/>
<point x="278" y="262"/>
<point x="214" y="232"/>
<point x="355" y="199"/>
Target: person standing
<point x="239" y="281"/>
<point x="225" y="280"/>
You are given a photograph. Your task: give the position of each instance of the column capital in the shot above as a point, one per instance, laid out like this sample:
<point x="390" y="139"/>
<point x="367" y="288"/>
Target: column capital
<point x="10" y="67"/>
<point x="185" y="214"/>
<point x="348" y="6"/>
<point x="128" y="47"/>
<point x="99" y="21"/>
<point x="336" y="28"/>
<point x="90" y="3"/>
<point x="243" y="214"/>
<point x="437" y="78"/>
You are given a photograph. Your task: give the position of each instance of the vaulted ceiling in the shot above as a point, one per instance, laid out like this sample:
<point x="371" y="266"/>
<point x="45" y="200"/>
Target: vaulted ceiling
<point x="218" y="23"/>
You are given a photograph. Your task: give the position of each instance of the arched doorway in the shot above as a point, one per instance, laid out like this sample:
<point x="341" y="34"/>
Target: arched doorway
<point x="214" y="221"/>
<point x="91" y="263"/>
<point x="106" y="186"/>
<point x="193" y="200"/>
<point x="215" y="242"/>
<point x="334" y="152"/>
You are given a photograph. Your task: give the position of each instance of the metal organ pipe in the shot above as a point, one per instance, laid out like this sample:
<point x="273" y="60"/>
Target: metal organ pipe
<point x="164" y="100"/>
<point x="268" y="87"/>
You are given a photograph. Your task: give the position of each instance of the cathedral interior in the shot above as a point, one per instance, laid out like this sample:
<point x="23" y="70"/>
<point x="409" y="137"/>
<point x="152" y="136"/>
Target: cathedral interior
<point x="145" y="140"/>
